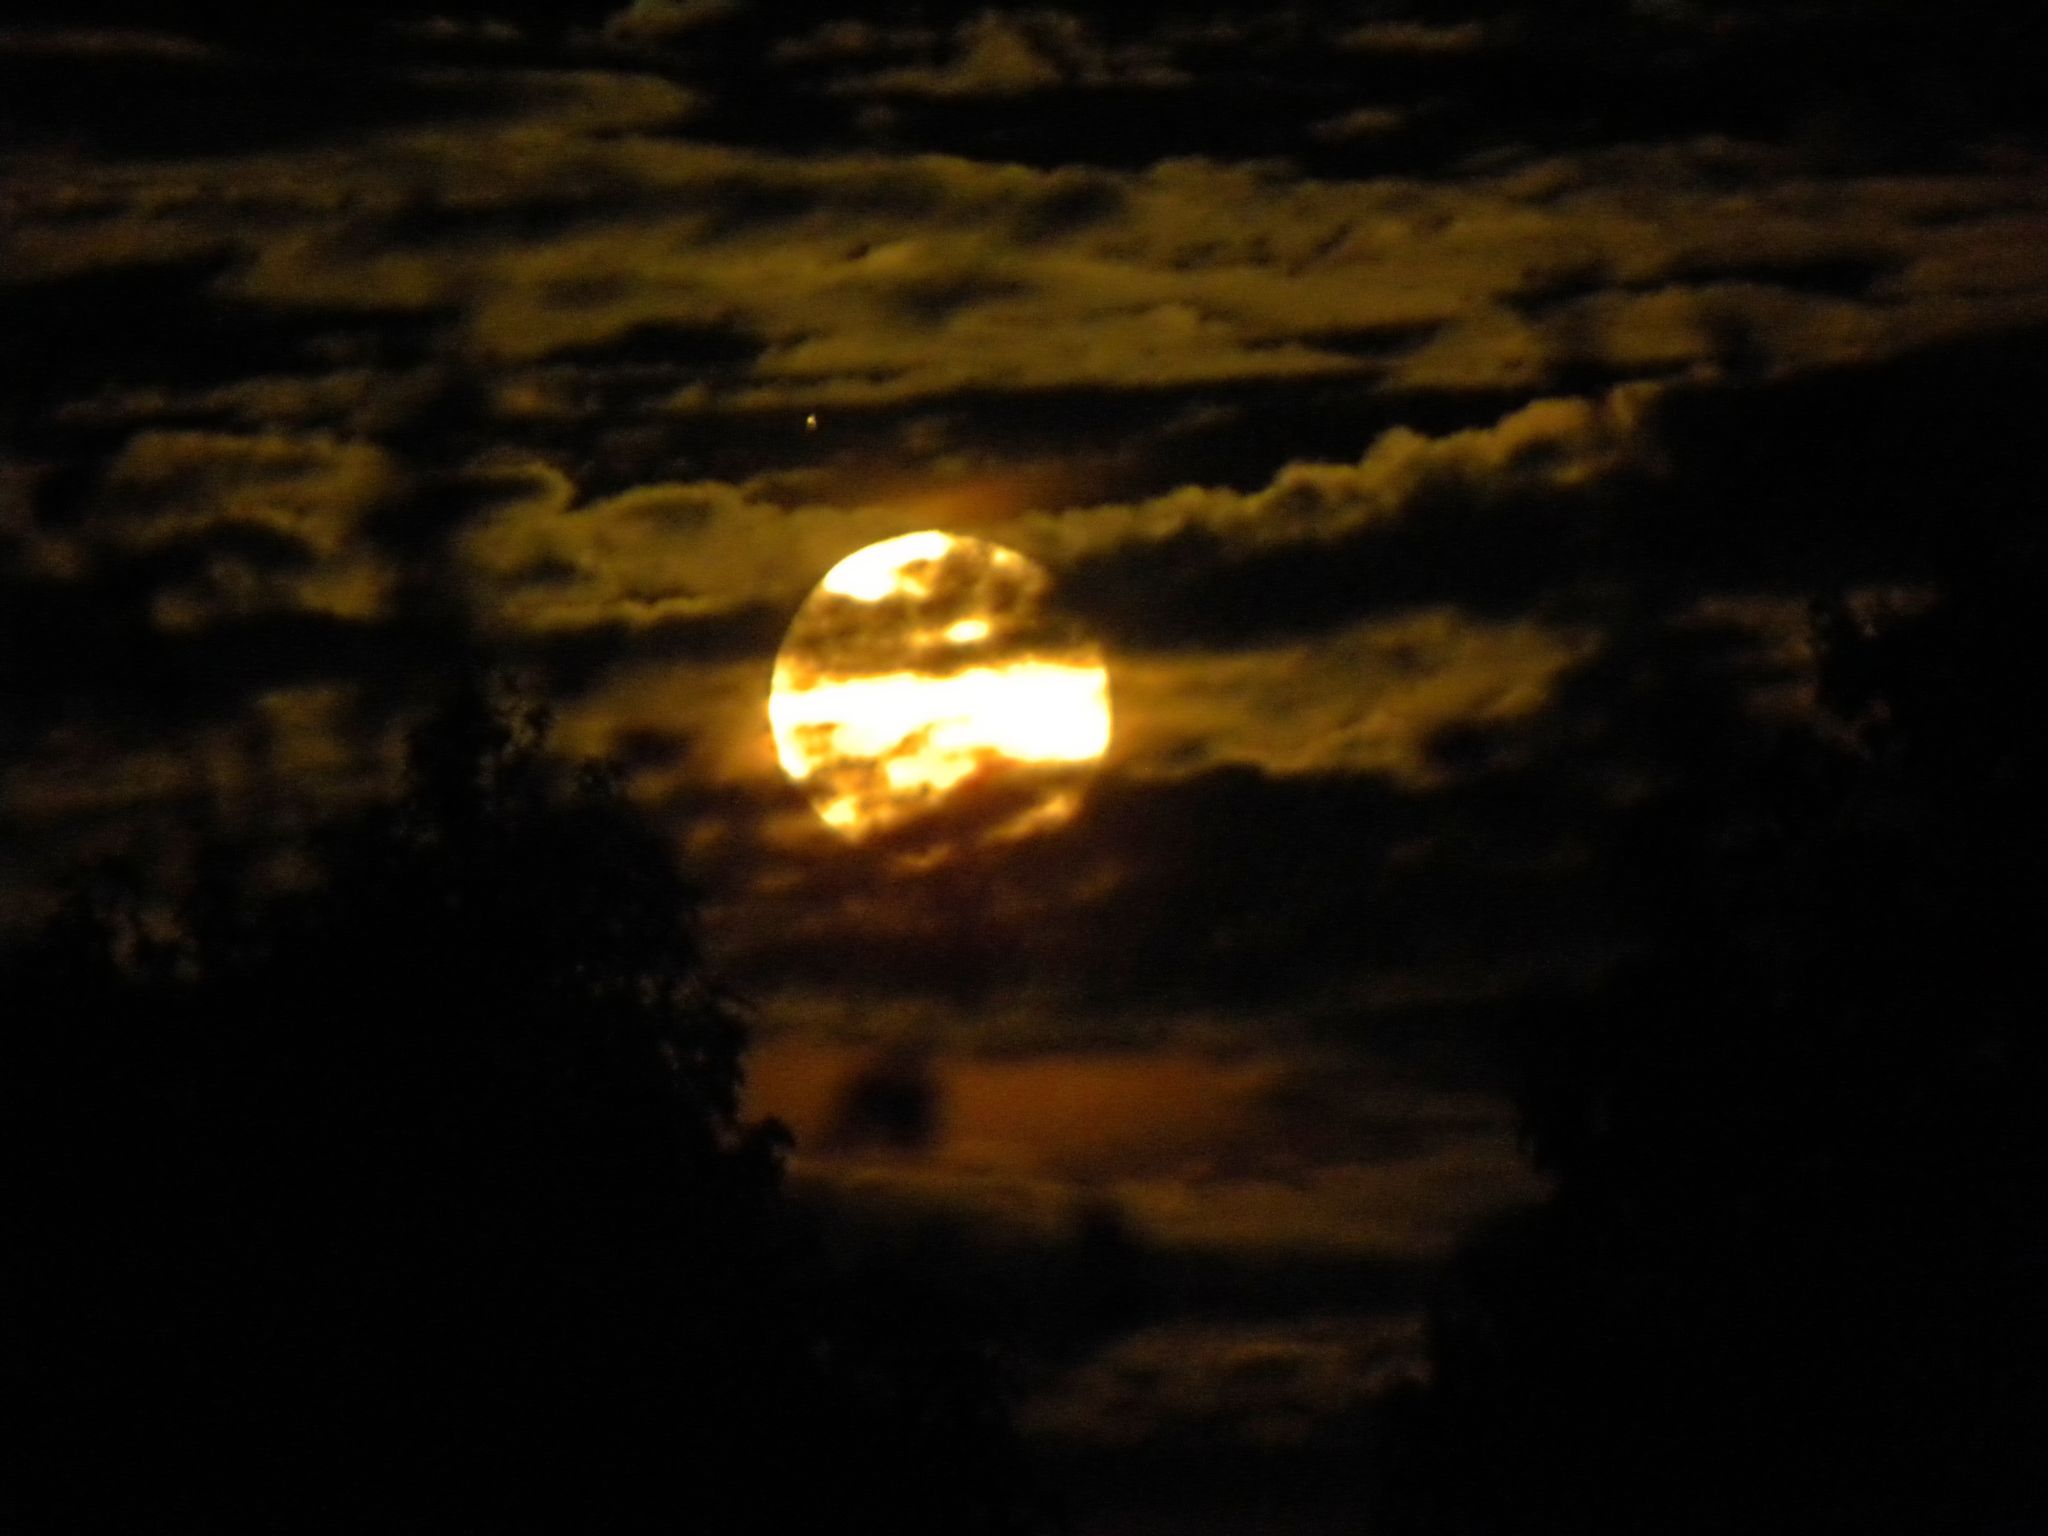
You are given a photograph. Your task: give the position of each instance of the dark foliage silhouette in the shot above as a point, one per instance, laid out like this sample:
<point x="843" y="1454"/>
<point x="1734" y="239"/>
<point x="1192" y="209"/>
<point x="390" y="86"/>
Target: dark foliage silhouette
<point x="415" y="1195"/>
<point x="1790" y="1278"/>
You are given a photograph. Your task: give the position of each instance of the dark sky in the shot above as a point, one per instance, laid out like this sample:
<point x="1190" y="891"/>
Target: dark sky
<point x="1379" y="383"/>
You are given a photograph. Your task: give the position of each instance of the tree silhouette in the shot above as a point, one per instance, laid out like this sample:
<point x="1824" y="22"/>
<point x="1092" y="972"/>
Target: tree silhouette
<point x="1790" y="1276"/>
<point x="408" y="1189"/>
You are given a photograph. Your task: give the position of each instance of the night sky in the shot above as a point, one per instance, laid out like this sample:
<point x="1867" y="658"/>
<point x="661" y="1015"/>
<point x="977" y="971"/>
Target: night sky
<point x="1384" y="387"/>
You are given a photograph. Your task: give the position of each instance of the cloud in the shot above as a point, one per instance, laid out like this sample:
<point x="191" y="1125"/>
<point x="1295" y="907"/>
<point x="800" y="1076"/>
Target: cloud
<point x="104" y="43"/>
<point x="1226" y="908"/>
<point x="1414" y="1208"/>
<point x="1015" y="53"/>
<point x="1228" y="1385"/>
<point x="662" y="553"/>
<point x="311" y="491"/>
<point x="573" y="223"/>
<point x="892" y="1100"/>
<point x="1415" y="38"/>
<point x="652" y="555"/>
<point x="291" y="752"/>
<point x="1066" y="1115"/>
<point x="1707" y="329"/>
<point x="1373" y="699"/>
<point x="996" y="55"/>
<point x="1361" y="123"/>
<point x="1408" y="1211"/>
<point x="851" y="38"/>
<point x="1551" y="444"/>
<point x="658" y="20"/>
<point x="235" y="525"/>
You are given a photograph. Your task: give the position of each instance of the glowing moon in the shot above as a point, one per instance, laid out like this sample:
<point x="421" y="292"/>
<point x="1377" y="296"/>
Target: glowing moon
<point x="926" y="672"/>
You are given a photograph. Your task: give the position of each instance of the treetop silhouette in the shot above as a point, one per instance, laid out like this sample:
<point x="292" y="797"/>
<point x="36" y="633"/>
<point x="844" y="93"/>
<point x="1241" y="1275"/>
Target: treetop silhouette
<point x="1790" y="1275"/>
<point x="417" y="1194"/>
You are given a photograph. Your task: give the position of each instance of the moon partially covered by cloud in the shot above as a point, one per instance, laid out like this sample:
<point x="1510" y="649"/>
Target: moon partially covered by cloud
<point x="928" y="669"/>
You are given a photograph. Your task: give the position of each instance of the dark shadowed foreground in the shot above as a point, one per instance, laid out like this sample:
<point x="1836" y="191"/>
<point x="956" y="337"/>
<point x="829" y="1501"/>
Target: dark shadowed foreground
<point x="1791" y="1277"/>
<point x="414" y="1196"/>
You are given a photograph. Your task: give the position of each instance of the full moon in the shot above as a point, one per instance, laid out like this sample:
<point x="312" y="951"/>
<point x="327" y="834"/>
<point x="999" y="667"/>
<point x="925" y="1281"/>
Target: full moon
<point x="929" y="672"/>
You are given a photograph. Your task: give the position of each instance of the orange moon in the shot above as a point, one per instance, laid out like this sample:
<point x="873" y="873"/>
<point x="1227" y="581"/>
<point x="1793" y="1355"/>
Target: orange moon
<point x="929" y="671"/>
